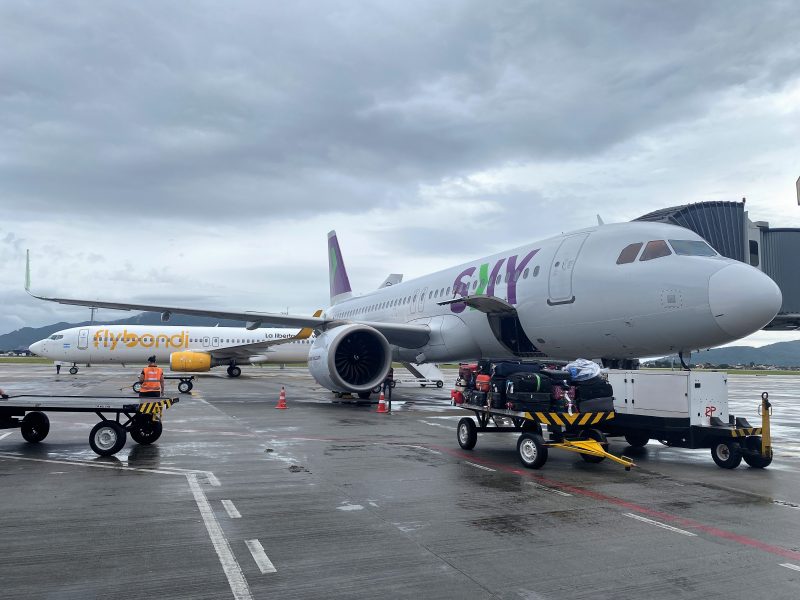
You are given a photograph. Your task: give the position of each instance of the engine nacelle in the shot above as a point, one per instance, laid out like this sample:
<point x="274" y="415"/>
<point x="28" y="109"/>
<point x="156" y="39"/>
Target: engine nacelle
<point x="189" y="361"/>
<point x="350" y="358"/>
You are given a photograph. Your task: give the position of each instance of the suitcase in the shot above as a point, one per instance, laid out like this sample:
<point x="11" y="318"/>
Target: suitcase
<point x="558" y="392"/>
<point x="597" y="387"/>
<point x="476" y="397"/>
<point x="528" y="382"/>
<point x="504" y="369"/>
<point x="482" y="383"/>
<point x="596" y="405"/>
<point x="529" y="401"/>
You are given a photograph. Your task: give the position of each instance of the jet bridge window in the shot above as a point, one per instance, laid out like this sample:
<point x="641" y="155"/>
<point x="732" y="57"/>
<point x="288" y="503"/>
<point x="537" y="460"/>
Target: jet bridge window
<point x="629" y="253"/>
<point x="692" y="248"/>
<point x="655" y="249"/>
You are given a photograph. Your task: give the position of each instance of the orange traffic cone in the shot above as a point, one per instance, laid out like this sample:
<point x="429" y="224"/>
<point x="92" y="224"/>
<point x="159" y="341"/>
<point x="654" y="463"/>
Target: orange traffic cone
<point x="282" y="399"/>
<point x="382" y="404"/>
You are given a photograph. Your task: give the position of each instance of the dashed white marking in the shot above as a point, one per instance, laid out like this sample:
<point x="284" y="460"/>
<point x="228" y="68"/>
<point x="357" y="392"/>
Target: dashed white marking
<point x="539" y="486"/>
<point x="5" y="435"/>
<point x="477" y="466"/>
<point x="448" y="427"/>
<point x="233" y="513"/>
<point x="236" y="580"/>
<point x="658" y="524"/>
<point x="347" y="507"/>
<point x="262" y="560"/>
<point x="791" y="566"/>
<point x="212" y="479"/>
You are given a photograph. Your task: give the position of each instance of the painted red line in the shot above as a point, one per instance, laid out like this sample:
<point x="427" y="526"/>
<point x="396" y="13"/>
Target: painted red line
<point x="689" y="523"/>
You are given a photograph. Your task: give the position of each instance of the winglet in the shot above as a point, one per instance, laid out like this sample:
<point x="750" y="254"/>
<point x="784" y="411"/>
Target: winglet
<point x="306" y="332"/>
<point x="28" y="271"/>
<point x="600" y="220"/>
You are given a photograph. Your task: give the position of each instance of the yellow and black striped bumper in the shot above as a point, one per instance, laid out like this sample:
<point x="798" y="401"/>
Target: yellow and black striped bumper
<point x="745" y="431"/>
<point x="155" y="408"/>
<point x="563" y="419"/>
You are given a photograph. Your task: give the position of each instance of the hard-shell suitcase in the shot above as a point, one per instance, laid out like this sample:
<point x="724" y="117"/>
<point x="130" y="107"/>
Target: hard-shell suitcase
<point x="504" y="369"/>
<point x="528" y="382"/>
<point x="597" y="387"/>
<point x="529" y="401"/>
<point x="596" y="405"/>
<point x="477" y="397"/>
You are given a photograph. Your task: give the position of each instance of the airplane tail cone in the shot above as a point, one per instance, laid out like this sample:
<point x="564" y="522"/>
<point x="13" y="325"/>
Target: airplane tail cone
<point x="382" y="404"/>
<point x="282" y="399"/>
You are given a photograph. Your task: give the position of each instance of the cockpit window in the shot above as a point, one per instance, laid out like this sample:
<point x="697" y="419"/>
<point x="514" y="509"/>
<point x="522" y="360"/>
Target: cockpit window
<point x="655" y="249"/>
<point x="629" y="253"/>
<point x="56" y="337"/>
<point x="692" y="248"/>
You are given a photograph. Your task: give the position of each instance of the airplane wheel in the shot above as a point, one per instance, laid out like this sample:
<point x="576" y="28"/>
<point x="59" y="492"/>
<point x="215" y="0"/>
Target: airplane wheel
<point x="377" y="389"/>
<point x="726" y="454"/>
<point x="393" y="383"/>
<point x="440" y="384"/>
<point x="532" y="450"/>
<point x="73" y="370"/>
<point x="107" y="438"/>
<point x="137" y="386"/>
<point x="234" y="371"/>
<point x="144" y="430"/>
<point x="35" y="427"/>
<point x="184" y="387"/>
<point x="364" y="395"/>
<point x="467" y="433"/>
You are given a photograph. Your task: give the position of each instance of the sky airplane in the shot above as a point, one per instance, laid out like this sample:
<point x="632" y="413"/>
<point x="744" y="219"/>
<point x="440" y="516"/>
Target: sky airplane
<point x="186" y="349"/>
<point x="617" y="292"/>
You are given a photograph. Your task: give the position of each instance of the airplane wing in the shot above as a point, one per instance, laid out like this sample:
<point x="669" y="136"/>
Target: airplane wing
<point x="245" y="351"/>
<point x="398" y="334"/>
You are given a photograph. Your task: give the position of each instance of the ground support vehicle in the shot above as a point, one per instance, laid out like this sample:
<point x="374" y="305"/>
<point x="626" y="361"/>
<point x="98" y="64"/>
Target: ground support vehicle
<point x="420" y="381"/>
<point x="575" y="432"/>
<point x="687" y="409"/>
<point x="184" y="387"/>
<point x="108" y="436"/>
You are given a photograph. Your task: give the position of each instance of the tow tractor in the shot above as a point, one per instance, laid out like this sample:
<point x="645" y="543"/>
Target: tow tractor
<point x="108" y="436"/>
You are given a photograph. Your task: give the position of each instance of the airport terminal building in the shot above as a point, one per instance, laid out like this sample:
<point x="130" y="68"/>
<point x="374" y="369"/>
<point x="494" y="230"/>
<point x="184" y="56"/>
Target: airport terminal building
<point x="727" y="227"/>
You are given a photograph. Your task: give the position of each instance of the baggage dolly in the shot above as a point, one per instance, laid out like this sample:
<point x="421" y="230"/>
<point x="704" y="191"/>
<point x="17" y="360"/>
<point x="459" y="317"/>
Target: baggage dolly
<point x="574" y="432"/>
<point x="141" y="420"/>
<point x="184" y="387"/>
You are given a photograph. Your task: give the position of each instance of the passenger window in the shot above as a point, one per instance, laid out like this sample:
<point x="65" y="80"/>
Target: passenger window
<point x="692" y="248"/>
<point x="448" y="290"/>
<point x="655" y="249"/>
<point x="525" y="274"/>
<point x="536" y="270"/>
<point x="629" y="253"/>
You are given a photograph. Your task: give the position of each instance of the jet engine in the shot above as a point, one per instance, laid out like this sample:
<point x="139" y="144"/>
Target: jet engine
<point x="350" y="358"/>
<point x="189" y="361"/>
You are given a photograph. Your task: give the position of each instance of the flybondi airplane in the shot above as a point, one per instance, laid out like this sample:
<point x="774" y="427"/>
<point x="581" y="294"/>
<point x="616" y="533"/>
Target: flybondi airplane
<point x="186" y="349"/>
<point x="616" y="292"/>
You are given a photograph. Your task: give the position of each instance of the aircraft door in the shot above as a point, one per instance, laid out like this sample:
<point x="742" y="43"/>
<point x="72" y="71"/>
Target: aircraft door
<point x="421" y="303"/>
<point x="215" y="342"/>
<point x="560" y="280"/>
<point x="83" y="339"/>
<point x="413" y="305"/>
<point x="206" y="342"/>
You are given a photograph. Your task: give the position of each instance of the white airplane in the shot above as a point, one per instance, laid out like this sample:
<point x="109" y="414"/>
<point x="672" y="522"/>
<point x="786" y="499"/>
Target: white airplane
<point x="616" y="292"/>
<point x="186" y="349"/>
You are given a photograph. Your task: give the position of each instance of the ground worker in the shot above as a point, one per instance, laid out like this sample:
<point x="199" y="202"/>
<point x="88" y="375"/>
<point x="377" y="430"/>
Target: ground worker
<point x="387" y="387"/>
<point x="152" y="380"/>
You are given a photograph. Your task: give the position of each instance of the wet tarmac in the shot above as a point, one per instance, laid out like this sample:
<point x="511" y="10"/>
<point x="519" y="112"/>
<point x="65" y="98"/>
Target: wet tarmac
<point x="328" y="500"/>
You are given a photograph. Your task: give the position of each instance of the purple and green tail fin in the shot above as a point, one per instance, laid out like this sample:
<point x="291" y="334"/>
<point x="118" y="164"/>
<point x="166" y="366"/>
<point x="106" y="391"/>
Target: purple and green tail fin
<point x="340" y="284"/>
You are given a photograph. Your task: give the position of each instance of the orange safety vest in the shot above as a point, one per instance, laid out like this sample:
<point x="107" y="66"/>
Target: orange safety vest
<point x="152" y="379"/>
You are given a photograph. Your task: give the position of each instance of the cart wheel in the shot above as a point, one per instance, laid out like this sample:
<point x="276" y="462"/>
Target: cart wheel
<point x="35" y="427"/>
<point x="637" y="439"/>
<point x="598" y="436"/>
<point x="532" y="427"/>
<point x="137" y="386"/>
<point x="440" y="384"/>
<point x="532" y="450"/>
<point x="726" y="454"/>
<point x="422" y="385"/>
<point x="184" y="387"/>
<point x="467" y="433"/>
<point x="393" y="383"/>
<point x="753" y="442"/>
<point x="144" y="430"/>
<point x="107" y="438"/>
<point x="73" y="370"/>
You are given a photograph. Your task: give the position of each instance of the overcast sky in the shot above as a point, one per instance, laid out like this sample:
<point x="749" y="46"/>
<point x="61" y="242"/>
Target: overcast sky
<point x="197" y="153"/>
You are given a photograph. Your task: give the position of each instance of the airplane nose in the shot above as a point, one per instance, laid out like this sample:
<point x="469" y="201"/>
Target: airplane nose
<point x="36" y="348"/>
<point x="743" y="299"/>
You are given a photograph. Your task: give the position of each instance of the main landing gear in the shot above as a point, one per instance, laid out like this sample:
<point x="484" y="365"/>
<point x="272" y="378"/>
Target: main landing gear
<point x="234" y="371"/>
<point x="73" y="370"/>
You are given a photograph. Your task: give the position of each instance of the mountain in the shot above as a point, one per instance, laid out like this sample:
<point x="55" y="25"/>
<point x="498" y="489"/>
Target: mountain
<point x="22" y="338"/>
<point x="781" y="354"/>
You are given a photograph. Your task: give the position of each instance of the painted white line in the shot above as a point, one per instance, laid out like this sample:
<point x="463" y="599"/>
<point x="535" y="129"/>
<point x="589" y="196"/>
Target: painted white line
<point x="262" y="560"/>
<point x="233" y="513"/>
<point x="236" y="580"/>
<point x="448" y="427"/>
<point x="477" y="466"/>
<point x="431" y="450"/>
<point x="791" y="566"/>
<point x="544" y="488"/>
<point x="80" y="463"/>
<point x="658" y="524"/>
<point x="212" y="479"/>
<point x="5" y="435"/>
<point x="786" y="504"/>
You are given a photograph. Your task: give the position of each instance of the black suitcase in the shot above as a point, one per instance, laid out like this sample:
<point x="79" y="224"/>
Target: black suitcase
<point x="597" y="387"/>
<point x="477" y="397"/>
<point x="596" y="405"/>
<point x="504" y="369"/>
<point x="529" y="382"/>
<point x="529" y="401"/>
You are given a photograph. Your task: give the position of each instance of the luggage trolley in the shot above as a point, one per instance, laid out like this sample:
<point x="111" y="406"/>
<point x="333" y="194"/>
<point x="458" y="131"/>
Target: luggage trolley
<point x="142" y="421"/>
<point x="572" y="431"/>
<point x="184" y="387"/>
